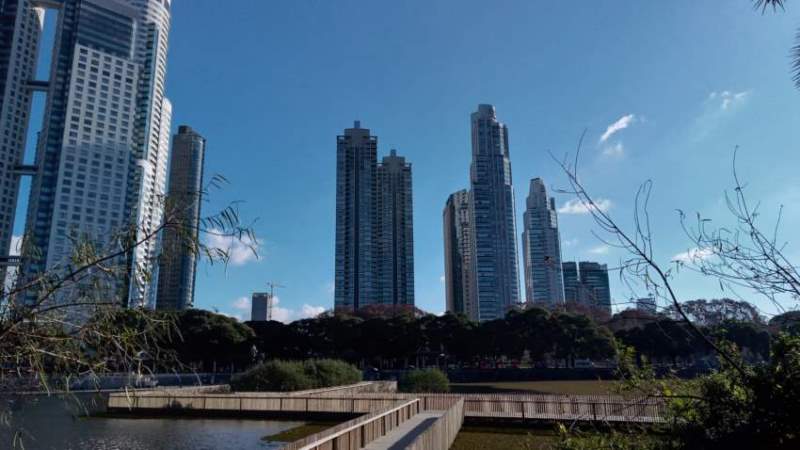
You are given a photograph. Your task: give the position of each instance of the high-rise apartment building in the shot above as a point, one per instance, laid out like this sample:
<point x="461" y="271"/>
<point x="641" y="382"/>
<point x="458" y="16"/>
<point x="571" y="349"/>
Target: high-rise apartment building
<point x="541" y="245"/>
<point x="103" y="152"/>
<point x="594" y="279"/>
<point x="587" y="283"/>
<point x="261" y="307"/>
<point x="176" y="274"/>
<point x="458" y="248"/>
<point x="494" y="259"/>
<point x="20" y="31"/>
<point x="374" y="225"/>
<point x="396" y="232"/>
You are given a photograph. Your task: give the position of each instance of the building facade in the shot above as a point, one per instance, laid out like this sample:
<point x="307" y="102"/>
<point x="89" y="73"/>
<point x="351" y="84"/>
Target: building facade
<point x="544" y="284"/>
<point x="458" y="249"/>
<point x="261" y="308"/>
<point x="101" y="158"/>
<point x="178" y="260"/>
<point x="587" y="283"/>
<point x="494" y="259"/>
<point x="647" y="304"/>
<point x="395" y="242"/>
<point x="20" y="32"/>
<point x="374" y="225"/>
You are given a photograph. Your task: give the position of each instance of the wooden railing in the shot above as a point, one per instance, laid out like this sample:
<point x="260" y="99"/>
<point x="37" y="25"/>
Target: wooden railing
<point x="605" y="408"/>
<point x="442" y="433"/>
<point x="357" y="433"/>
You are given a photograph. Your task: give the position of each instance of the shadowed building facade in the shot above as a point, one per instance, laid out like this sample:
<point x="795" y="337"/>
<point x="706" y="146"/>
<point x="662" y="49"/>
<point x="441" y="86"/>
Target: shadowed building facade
<point x="544" y="285"/>
<point x="374" y="225"/>
<point x="178" y="260"/>
<point x="587" y="283"/>
<point x="458" y="275"/>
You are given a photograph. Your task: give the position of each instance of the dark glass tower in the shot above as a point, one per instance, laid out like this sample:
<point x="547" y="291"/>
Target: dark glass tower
<point x="396" y="232"/>
<point x="494" y="228"/>
<point x="176" y="275"/>
<point x="374" y="225"/>
<point x="457" y="219"/>
<point x="356" y="218"/>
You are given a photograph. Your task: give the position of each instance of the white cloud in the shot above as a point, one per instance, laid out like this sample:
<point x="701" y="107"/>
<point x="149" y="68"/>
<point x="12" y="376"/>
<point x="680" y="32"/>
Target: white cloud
<point x="311" y="311"/>
<point x="442" y="279"/>
<point x="570" y="242"/>
<point x="693" y="255"/>
<point x="239" y="251"/>
<point x="575" y="206"/>
<point x="279" y="313"/>
<point x="614" y="151"/>
<point x="728" y="99"/>
<point x="242" y="303"/>
<point x="600" y="250"/>
<point x="621" y="124"/>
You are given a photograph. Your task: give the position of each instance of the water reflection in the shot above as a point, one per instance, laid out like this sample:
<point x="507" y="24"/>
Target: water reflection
<point x="51" y="424"/>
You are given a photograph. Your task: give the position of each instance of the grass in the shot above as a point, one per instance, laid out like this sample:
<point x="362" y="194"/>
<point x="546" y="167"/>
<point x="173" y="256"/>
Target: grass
<point x="305" y="430"/>
<point x="488" y="438"/>
<point x="580" y="387"/>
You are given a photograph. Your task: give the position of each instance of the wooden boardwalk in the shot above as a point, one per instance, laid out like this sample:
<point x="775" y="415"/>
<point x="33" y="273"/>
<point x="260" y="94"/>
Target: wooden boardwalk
<point x="388" y="419"/>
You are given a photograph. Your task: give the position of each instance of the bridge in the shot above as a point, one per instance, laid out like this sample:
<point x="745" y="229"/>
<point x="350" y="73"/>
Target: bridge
<point x="386" y="419"/>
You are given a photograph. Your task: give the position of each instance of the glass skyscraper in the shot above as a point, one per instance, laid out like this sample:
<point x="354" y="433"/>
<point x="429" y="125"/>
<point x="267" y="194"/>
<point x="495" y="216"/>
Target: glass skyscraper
<point x="586" y="283"/>
<point x="541" y="245"/>
<point x="20" y="31"/>
<point x="102" y="155"/>
<point x="178" y="261"/>
<point x="374" y="225"/>
<point x="494" y="228"/>
<point x="459" y="286"/>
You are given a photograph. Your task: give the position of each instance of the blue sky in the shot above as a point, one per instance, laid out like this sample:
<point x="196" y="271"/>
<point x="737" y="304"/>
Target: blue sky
<point x="271" y="84"/>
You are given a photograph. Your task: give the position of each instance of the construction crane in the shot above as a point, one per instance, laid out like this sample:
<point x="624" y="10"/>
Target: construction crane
<point x="272" y="285"/>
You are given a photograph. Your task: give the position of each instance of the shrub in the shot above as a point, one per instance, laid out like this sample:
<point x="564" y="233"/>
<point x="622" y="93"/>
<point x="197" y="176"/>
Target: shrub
<point x="425" y="380"/>
<point x="332" y="372"/>
<point x="296" y="375"/>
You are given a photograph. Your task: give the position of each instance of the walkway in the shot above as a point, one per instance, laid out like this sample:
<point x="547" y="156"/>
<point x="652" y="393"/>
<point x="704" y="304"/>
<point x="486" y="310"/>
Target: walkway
<point x="402" y="436"/>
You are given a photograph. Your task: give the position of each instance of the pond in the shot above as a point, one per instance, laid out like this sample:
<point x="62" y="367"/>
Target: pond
<point x="51" y="423"/>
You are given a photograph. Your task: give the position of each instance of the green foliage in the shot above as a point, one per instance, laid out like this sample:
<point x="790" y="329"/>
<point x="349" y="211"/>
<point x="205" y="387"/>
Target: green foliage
<point x="605" y="439"/>
<point x="425" y="380"/>
<point x="279" y="375"/>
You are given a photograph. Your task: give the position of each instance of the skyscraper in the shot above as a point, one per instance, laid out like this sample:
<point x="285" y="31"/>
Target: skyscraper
<point x="176" y="274"/>
<point x="541" y="245"/>
<point x="396" y="232"/>
<point x="356" y="217"/>
<point x="102" y="155"/>
<point x="20" y="31"/>
<point x="572" y="282"/>
<point x="458" y="275"/>
<point x="587" y="284"/>
<point x="594" y="279"/>
<point x="374" y="225"/>
<point x="261" y="307"/>
<point x="494" y="220"/>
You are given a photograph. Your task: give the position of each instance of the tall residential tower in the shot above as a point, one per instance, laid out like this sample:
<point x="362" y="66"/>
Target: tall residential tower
<point x="102" y="155"/>
<point x="544" y="285"/>
<point x="20" y="32"/>
<point x="494" y="227"/>
<point x="176" y="274"/>
<point x="374" y="225"/>
<point x="459" y="286"/>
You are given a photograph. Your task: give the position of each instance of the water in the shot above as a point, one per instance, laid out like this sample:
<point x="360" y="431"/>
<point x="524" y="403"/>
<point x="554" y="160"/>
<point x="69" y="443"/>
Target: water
<point x="52" y="424"/>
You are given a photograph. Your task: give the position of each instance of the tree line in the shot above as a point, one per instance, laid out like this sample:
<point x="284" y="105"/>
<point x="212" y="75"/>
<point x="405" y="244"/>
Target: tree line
<point x="205" y="341"/>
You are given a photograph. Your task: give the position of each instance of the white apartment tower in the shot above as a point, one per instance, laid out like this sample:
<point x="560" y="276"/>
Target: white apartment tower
<point x="102" y="154"/>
